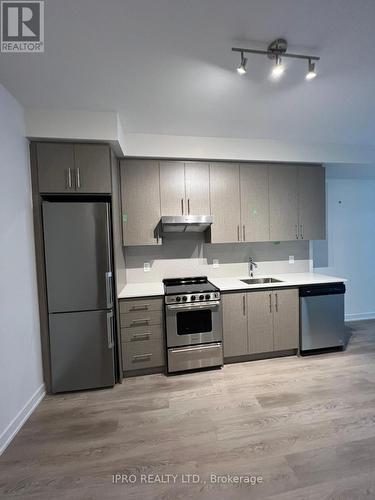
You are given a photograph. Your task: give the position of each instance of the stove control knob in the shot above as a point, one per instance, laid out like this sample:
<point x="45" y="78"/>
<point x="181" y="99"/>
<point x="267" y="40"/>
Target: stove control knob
<point x="208" y="296"/>
<point x="192" y="298"/>
<point x="178" y="299"/>
<point x="184" y="298"/>
<point x="201" y="297"/>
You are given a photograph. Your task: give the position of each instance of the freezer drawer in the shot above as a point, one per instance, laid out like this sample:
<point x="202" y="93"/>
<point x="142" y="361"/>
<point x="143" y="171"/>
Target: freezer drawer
<point x="81" y="346"/>
<point x="322" y="322"/>
<point x="194" y="357"/>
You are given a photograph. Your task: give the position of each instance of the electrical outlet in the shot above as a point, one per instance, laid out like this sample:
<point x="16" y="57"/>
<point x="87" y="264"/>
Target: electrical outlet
<point x="215" y="263"/>
<point x="291" y="259"/>
<point x="146" y="267"/>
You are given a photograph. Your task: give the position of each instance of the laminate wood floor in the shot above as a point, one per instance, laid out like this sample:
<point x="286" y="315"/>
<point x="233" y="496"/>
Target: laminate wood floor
<point x="303" y="427"/>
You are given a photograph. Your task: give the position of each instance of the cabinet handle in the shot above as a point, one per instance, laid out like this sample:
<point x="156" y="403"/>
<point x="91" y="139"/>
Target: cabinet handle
<point x="301" y="231"/>
<point x="140" y="357"/>
<point x="69" y="178"/>
<point x="270" y="296"/>
<point x="238" y="233"/>
<point x="140" y="321"/>
<point x="78" y="178"/>
<point x="139" y="336"/>
<point x="182" y="206"/>
<point x="188" y="206"/>
<point x="276" y="303"/>
<point x="140" y="308"/>
<point x="296" y="227"/>
<point x="243" y="231"/>
<point x="243" y="305"/>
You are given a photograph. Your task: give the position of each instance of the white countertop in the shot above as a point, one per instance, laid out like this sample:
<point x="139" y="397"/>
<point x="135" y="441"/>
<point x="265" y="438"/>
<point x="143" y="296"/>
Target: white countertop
<point x="153" y="289"/>
<point x="289" y="279"/>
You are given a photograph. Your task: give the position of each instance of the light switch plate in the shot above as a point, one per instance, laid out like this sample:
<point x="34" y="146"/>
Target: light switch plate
<point x="215" y="263"/>
<point x="146" y="267"/>
<point x="291" y="259"/>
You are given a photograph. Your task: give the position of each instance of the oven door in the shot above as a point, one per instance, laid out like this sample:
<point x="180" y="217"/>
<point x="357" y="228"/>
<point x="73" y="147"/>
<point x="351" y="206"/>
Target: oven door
<point x="190" y="324"/>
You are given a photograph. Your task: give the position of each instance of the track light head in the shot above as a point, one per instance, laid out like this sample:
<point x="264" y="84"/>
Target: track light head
<point x="311" y="73"/>
<point x="241" y="70"/>
<point x="279" y="68"/>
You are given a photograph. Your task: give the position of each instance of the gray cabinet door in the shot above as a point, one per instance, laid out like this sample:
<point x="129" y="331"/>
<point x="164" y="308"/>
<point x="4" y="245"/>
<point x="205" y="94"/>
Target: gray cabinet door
<point x="283" y="183"/>
<point x="255" y="213"/>
<point x="286" y="319"/>
<point x="225" y="202"/>
<point x="92" y="168"/>
<point x="234" y="324"/>
<point x="140" y="198"/>
<point x="312" y="202"/>
<point x="172" y="188"/>
<point x="55" y="167"/>
<point x="260" y="322"/>
<point x="197" y="184"/>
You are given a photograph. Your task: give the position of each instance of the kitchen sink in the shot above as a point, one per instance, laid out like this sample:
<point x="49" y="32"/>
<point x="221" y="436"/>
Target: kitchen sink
<point x="260" y="281"/>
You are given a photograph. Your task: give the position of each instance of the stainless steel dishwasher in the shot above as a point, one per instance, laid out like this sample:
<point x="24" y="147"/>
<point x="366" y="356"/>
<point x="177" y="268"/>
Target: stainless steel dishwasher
<point x="322" y="317"/>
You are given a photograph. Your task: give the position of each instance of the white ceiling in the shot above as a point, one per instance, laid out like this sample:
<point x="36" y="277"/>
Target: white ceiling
<point x="167" y="67"/>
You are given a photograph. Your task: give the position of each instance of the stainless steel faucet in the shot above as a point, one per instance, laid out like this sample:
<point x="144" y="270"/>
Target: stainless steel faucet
<point x="252" y="264"/>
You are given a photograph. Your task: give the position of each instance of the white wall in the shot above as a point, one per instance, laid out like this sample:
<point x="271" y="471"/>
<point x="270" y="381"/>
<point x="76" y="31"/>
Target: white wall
<point x="21" y="381"/>
<point x="349" y="250"/>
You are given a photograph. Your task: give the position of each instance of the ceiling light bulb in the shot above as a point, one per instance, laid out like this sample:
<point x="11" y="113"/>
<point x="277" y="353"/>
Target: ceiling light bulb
<point x="241" y="70"/>
<point x="311" y="72"/>
<point x="278" y="69"/>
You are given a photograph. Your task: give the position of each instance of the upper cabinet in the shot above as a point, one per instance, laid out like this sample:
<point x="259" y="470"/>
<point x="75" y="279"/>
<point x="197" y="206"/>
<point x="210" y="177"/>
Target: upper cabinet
<point x="283" y="196"/>
<point x="312" y="203"/>
<point x="73" y="168"/>
<point x="140" y="197"/>
<point x="225" y="202"/>
<point x="184" y="188"/>
<point x="255" y="210"/>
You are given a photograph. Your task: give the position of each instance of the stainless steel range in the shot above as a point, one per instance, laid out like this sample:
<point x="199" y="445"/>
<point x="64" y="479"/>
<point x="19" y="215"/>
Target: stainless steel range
<point x="193" y="324"/>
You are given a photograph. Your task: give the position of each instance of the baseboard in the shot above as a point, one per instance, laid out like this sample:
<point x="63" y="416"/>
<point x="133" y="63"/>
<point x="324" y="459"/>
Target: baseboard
<point x="15" y="425"/>
<point x="359" y="316"/>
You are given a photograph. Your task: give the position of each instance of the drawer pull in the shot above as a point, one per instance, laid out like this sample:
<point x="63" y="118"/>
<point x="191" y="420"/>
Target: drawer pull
<point x="142" y="357"/>
<point x="140" y="321"/>
<point x="140" y="308"/>
<point x="140" y="336"/>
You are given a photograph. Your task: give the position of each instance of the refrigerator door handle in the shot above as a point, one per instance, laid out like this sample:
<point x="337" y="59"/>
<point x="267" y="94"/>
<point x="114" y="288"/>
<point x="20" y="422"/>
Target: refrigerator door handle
<point x="111" y="342"/>
<point x="109" y="289"/>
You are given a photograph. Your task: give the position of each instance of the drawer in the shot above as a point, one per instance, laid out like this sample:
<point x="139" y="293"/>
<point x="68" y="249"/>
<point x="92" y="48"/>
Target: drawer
<point x="139" y="355"/>
<point x="127" y="306"/>
<point x="142" y="333"/>
<point x="141" y="318"/>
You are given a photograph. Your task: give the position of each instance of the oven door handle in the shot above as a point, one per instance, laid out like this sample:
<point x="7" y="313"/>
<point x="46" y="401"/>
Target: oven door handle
<point x="199" y="305"/>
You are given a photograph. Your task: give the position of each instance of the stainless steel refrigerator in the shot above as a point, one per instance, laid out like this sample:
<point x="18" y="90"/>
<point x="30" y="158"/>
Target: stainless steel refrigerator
<point x="77" y="243"/>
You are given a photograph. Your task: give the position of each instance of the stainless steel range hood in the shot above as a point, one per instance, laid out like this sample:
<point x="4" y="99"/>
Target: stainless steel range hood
<point x="185" y="223"/>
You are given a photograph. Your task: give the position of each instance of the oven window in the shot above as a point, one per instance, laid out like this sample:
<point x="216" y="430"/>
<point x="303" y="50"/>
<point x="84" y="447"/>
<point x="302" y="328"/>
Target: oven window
<point x="190" y="322"/>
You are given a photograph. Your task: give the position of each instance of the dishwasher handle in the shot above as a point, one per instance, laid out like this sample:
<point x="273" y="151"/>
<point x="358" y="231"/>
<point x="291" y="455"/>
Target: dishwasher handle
<point x="326" y="289"/>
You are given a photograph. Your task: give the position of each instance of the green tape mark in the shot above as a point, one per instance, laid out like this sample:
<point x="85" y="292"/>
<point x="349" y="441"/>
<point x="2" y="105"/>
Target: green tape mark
<point x="124" y="217"/>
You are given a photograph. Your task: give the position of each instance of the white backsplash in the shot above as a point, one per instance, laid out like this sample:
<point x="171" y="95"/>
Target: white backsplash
<point x="188" y="255"/>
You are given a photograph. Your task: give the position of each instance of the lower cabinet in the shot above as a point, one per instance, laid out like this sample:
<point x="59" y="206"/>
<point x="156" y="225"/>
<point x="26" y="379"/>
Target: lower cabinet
<point x="260" y="322"/>
<point x="142" y="334"/>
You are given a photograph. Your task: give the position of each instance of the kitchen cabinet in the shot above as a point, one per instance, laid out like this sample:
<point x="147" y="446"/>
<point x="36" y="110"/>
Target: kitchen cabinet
<point x="283" y="199"/>
<point x="255" y="213"/>
<point x="184" y="188"/>
<point x="225" y="202"/>
<point x="312" y="203"/>
<point x="286" y="319"/>
<point x="140" y="199"/>
<point x="260" y="322"/>
<point x="73" y="168"/>
<point x="92" y="168"/>
<point x="234" y="324"/>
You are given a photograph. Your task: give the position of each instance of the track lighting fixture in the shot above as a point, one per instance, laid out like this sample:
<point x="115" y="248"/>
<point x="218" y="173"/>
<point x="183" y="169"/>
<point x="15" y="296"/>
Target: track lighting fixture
<point x="276" y="50"/>
<point x="241" y="70"/>
<point x="311" y="73"/>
